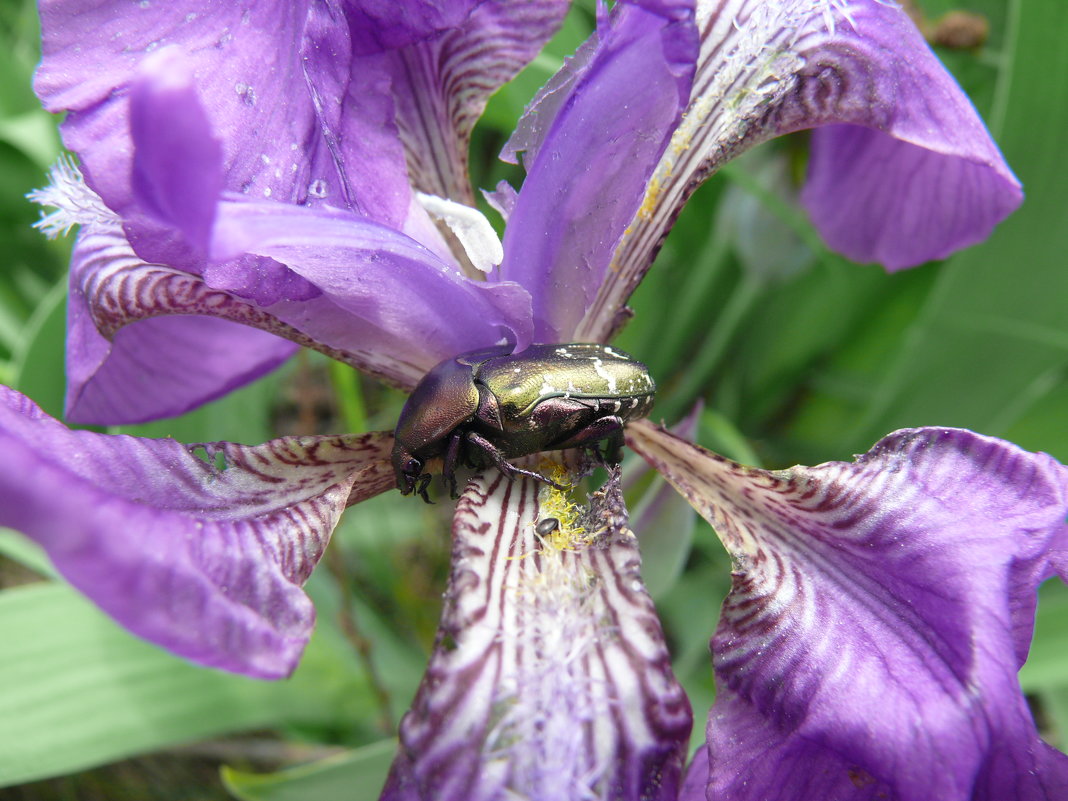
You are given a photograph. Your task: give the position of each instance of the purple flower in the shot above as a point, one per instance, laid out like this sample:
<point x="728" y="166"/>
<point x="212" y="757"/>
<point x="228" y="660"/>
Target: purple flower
<point x="258" y="178"/>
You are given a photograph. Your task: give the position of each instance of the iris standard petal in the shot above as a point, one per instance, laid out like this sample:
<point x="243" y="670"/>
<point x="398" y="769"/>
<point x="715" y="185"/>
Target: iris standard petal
<point x="878" y="618"/>
<point x="550" y="678"/>
<point x="424" y="309"/>
<point x="200" y="549"/>
<point x="387" y="24"/>
<point x="919" y="180"/>
<point x="590" y="173"/>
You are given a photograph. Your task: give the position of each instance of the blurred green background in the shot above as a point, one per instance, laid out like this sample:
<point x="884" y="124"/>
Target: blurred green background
<point x="799" y="355"/>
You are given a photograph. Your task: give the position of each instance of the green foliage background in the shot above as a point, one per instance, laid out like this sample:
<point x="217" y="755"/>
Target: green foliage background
<point x="808" y="360"/>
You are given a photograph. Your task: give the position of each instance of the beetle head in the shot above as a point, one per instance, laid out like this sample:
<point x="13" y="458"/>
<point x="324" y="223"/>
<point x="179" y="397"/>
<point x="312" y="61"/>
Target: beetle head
<point x="408" y="470"/>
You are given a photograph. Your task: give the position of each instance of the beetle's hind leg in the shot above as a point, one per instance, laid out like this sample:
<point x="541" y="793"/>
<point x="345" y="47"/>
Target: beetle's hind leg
<point x="609" y="429"/>
<point x="510" y="470"/>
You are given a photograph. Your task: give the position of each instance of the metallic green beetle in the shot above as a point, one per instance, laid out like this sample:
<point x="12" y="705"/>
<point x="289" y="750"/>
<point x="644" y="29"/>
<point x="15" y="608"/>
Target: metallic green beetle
<point x="488" y="406"/>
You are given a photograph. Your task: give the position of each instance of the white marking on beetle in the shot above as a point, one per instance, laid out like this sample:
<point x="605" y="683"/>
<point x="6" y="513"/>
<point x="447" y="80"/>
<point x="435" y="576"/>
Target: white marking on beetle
<point x="607" y="376"/>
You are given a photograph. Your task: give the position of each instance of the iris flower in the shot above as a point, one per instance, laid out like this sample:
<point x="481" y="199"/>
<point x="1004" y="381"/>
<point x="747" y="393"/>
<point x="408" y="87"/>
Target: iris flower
<point x="259" y="176"/>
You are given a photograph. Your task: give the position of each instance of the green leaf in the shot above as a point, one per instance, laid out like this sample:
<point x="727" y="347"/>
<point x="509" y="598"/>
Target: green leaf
<point x="39" y="355"/>
<point x="27" y="553"/>
<point x="78" y="691"/>
<point x="1045" y="666"/>
<point x="355" y="776"/>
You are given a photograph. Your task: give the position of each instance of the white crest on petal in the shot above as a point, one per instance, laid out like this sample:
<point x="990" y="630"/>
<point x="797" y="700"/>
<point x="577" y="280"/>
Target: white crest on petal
<point x="74" y="202"/>
<point x="471" y="227"/>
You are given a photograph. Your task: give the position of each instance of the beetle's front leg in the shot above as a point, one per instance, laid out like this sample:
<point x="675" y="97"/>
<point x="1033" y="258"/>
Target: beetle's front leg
<point x="452" y="457"/>
<point x="510" y="470"/>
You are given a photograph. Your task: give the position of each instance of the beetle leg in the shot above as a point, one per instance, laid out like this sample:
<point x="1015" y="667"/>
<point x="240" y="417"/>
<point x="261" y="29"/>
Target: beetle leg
<point x="603" y="428"/>
<point x="452" y="456"/>
<point x="424" y="481"/>
<point x="510" y="470"/>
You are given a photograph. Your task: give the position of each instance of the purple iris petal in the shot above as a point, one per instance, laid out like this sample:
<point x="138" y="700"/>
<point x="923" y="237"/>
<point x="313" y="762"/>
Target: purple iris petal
<point x="424" y="308"/>
<point x="203" y="555"/>
<point x="162" y="366"/>
<point x="591" y="170"/>
<point x="879" y="615"/>
<point x="922" y="178"/>
<point x="388" y="24"/>
<point x="550" y="678"/>
<point x="441" y="85"/>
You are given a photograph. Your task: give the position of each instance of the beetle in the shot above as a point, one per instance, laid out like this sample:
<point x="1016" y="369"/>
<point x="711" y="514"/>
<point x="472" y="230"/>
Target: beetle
<point x="490" y="405"/>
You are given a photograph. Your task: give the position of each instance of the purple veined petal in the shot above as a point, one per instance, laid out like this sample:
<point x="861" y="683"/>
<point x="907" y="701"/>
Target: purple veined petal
<point x="389" y="24"/>
<point x="550" y="678"/>
<point x="146" y="341"/>
<point x="269" y="76"/>
<point x="880" y="612"/>
<point x="246" y="63"/>
<point x="919" y="179"/>
<point x="203" y="555"/>
<point x="165" y="365"/>
<point x="595" y="159"/>
<point x="441" y="85"/>
<point x="417" y="308"/>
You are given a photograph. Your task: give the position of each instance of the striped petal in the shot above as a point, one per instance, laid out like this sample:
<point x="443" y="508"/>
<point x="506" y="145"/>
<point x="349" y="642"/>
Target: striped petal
<point x="550" y="679"/>
<point x="146" y="341"/>
<point x="200" y="549"/>
<point x="903" y="172"/>
<point x="880" y="612"/>
<point x="441" y="86"/>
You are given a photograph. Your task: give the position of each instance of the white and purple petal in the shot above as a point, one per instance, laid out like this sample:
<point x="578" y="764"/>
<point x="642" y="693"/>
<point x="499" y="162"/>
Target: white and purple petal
<point x="191" y="344"/>
<point x="200" y="549"/>
<point x="550" y="678"/>
<point x="596" y="156"/>
<point x="880" y="612"/>
<point x="902" y="168"/>
<point x="441" y="85"/>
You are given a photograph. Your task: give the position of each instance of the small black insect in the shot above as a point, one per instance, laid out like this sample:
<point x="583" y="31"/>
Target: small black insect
<point x="488" y="406"/>
<point x="546" y="526"/>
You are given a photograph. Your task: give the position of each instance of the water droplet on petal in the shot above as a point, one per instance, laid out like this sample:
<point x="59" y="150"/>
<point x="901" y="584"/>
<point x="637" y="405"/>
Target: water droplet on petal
<point x="318" y="188"/>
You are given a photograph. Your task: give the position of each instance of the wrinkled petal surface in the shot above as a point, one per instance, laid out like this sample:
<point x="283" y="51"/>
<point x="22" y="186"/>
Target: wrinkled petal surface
<point x="593" y="163"/>
<point x="201" y="554"/>
<point x="269" y="75"/>
<point x="879" y="614"/>
<point x="904" y="171"/>
<point x="441" y="85"/>
<point x="550" y="678"/>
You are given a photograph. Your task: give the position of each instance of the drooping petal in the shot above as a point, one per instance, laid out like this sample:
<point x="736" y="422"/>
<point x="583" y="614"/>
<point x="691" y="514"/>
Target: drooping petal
<point x="596" y="157"/>
<point x="165" y="364"/>
<point x="906" y="172"/>
<point x="202" y="554"/>
<point x="550" y="678"/>
<point x="441" y="85"/>
<point x="879" y="615"/>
